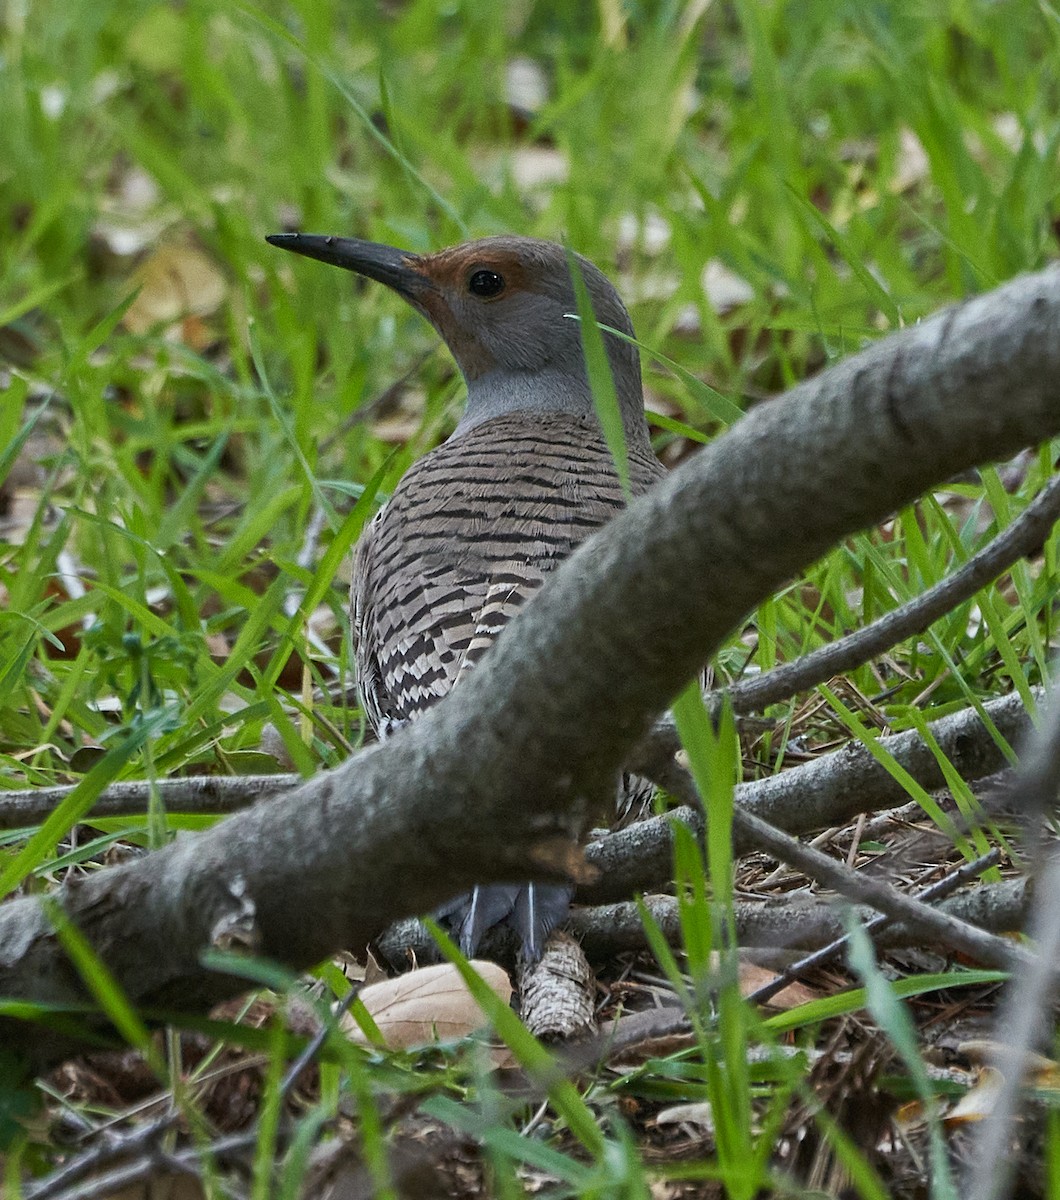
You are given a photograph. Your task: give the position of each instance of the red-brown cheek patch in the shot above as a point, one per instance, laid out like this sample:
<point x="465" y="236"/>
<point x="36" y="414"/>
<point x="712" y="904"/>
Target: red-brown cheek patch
<point x="449" y="271"/>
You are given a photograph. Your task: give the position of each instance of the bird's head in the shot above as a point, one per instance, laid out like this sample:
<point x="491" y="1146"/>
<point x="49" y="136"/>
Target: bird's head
<point x="503" y="306"/>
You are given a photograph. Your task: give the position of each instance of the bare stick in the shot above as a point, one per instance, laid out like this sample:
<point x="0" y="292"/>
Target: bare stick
<point x="198" y="794"/>
<point x="1023" y="537"/>
<point x="951" y="931"/>
<point x="1024" y="1018"/>
<point x="827" y="791"/>
<point x="789" y="926"/>
<point x="501" y="778"/>
<point x="943" y="887"/>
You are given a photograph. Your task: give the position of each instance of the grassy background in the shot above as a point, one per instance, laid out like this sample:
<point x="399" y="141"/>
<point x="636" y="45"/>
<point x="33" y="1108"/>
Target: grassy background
<point x="181" y="402"/>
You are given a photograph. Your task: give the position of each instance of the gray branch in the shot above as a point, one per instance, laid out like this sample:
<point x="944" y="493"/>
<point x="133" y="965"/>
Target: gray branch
<point x="799" y="924"/>
<point x="225" y="794"/>
<point x="1022" y="1024"/>
<point x="200" y="794"/>
<point x="830" y="790"/>
<point x="858" y="885"/>
<point x="501" y="778"/>
<point x="826" y="791"/>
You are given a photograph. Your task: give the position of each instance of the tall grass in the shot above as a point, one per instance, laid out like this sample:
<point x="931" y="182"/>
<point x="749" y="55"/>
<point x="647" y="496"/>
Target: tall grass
<point x="180" y="403"/>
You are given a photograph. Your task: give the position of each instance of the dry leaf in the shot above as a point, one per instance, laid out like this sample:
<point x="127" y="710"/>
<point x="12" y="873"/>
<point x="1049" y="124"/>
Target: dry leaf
<point x="176" y="282"/>
<point x="913" y="165"/>
<point x="980" y="1101"/>
<point x="699" y="1114"/>
<point x="537" y="167"/>
<point x="650" y="233"/>
<point x="396" y="431"/>
<point x="752" y="977"/>
<point x="525" y="85"/>
<point x="723" y="288"/>
<point x="428" y="1005"/>
<point x="373" y="972"/>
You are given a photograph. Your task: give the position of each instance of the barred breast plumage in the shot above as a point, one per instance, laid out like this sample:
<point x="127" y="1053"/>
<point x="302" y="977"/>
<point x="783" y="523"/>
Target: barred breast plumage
<point x="469" y="535"/>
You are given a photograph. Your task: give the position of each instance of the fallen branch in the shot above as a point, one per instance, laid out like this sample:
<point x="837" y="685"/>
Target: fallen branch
<point x="501" y="778"/>
<point x="790" y="925"/>
<point x="875" y="925"/>
<point x="830" y="790"/>
<point x="220" y="795"/>
<point x="198" y="794"/>
<point x="932" y="924"/>
<point x="827" y="791"/>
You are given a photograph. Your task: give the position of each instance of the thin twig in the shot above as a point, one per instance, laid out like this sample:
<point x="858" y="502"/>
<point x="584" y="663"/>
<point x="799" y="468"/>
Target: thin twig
<point x="220" y="795"/>
<point x="110" y="1182"/>
<point x="213" y="794"/>
<point x="982" y="946"/>
<point x="1023" y="537"/>
<point x="942" y="887"/>
<point x="791" y="929"/>
<point x="57" y="1185"/>
<point x="106" y="1149"/>
<point x="1022" y="1019"/>
<point x="826" y="791"/>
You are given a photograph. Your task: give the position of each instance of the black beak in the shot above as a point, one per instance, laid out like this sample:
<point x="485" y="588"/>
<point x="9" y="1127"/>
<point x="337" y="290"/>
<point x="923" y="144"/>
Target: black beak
<point x="385" y="264"/>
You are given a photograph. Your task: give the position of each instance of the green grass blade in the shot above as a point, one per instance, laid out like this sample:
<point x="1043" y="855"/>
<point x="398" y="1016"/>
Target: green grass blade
<point x="601" y="381"/>
<point x="79" y="801"/>
<point x="526" y="1048"/>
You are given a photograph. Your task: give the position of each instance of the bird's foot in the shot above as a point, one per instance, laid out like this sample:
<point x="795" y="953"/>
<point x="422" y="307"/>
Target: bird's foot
<point x="533" y="910"/>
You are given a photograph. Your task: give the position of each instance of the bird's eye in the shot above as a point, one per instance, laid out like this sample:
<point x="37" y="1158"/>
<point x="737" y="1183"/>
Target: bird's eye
<point x="486" y="284"/>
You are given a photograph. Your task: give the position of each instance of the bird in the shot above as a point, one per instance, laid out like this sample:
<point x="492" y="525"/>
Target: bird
<point x="476" y="525"/>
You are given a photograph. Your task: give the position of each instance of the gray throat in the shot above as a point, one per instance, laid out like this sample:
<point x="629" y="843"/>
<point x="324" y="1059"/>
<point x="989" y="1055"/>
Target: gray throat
<point x="547" y="390"/>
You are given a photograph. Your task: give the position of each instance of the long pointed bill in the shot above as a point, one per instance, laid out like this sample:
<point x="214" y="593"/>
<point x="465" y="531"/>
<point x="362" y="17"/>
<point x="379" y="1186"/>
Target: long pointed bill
<point x="385" y="264"/>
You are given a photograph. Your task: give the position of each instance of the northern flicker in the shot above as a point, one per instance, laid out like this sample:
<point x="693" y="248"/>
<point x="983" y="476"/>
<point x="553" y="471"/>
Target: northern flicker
<point x="475" y="526"/>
